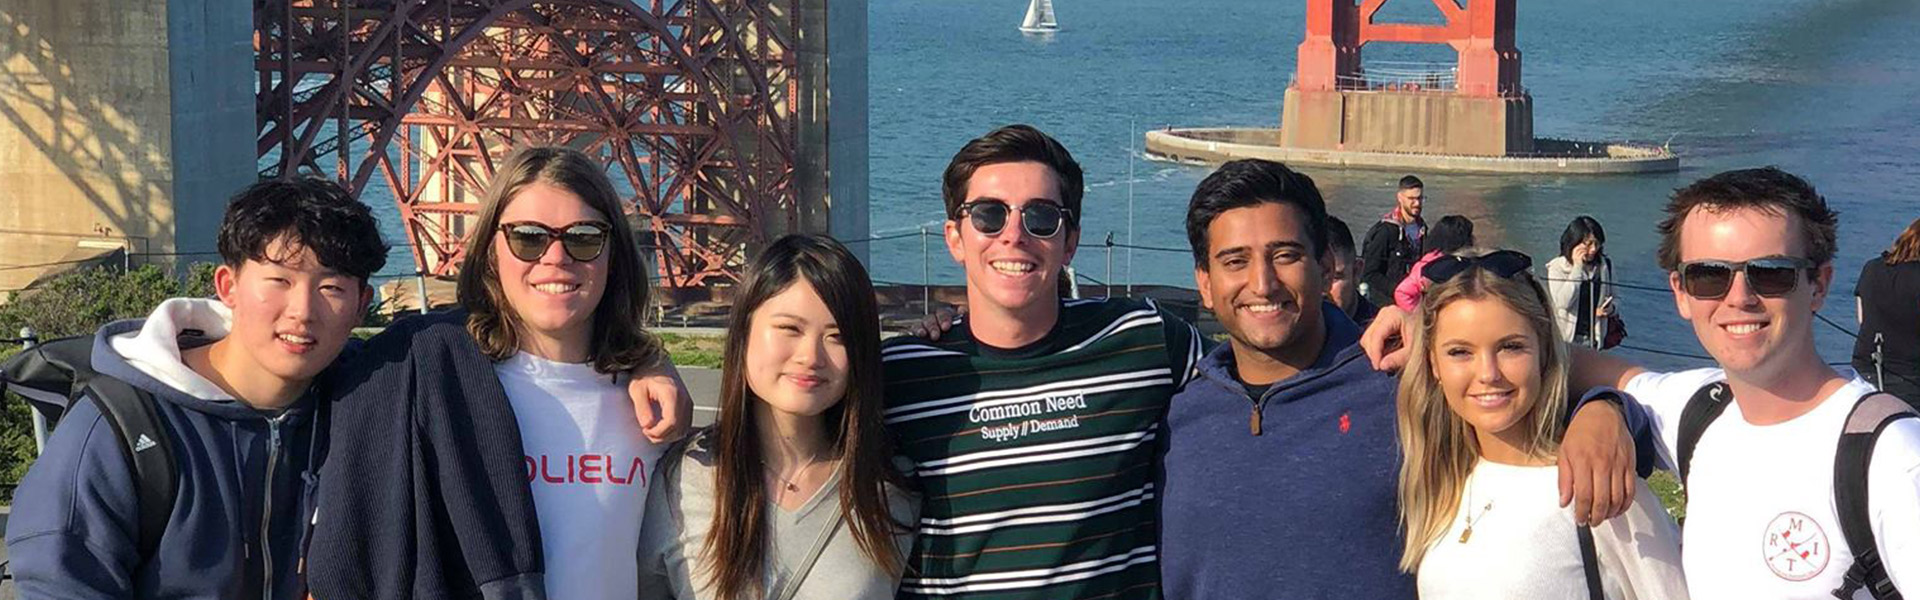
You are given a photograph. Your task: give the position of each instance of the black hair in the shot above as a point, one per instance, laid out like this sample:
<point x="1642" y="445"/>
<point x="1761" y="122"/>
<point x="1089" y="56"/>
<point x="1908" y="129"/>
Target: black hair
<point x="1578" y="231"/>
<point x="1767" y="189"/>
<point x="1247" y="182"/>
<point x="1448" y="236"/>
<point x="1013" y="143"/>
<point x="307" y="212"/>
<point x="1339" y="237"/>
<point x="855" y="427"/>
<point x="1410" y="182"/>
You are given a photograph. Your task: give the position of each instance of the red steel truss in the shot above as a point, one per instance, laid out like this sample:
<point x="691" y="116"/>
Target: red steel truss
<point x="691" y="103"/>
<point x="1481" y="32"/>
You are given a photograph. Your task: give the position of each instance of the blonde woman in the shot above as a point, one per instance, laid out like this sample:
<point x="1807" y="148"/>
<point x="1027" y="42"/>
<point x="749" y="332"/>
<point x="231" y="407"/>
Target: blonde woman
<point x="1481" y="415"/>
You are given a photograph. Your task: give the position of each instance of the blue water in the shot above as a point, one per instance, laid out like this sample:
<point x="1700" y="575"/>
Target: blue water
<point x="1828" y="90"/>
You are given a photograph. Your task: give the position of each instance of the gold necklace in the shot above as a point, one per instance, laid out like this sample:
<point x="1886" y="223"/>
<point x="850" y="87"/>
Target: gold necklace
<point x="1472" y="519"/>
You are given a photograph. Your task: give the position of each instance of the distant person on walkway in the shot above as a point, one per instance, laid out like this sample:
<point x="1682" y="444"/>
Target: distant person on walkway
<point x="792" y="494"/>
<point x="1480" y="407"/>
<point x="1887" y="304"/>
<point x="228" y="379"/>
<point x="1343" y="276"/>
<point x="1452" y="234"/>
<point x="1580" y="281"/>
<point x="1393" y="244"/>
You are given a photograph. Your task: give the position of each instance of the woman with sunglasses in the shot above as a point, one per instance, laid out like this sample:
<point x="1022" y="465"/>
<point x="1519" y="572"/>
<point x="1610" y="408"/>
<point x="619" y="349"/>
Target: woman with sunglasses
<point x="791" y="494"/>
<point x="495" y="451"/>
<point x="1451" y="234"/>
<point x="1481" y="409"/>
<point x="1580" y="282"/>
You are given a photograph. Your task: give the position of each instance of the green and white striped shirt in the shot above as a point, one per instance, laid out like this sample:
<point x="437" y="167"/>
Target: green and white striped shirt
<point x="1037" y="464"/>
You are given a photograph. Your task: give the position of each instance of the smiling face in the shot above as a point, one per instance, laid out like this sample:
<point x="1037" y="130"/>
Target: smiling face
<point x="1749" y="334"/>
<point x="1262" y="281"/>
<point x="555" y="296"/>
<point x="291" y="316"/>
<point x="796" y="360"/>
<point x="1488" y="361"/>
<point x="1012" y="272"/>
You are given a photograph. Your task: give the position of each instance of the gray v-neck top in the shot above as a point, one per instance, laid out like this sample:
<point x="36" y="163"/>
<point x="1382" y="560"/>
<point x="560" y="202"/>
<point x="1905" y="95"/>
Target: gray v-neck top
<point x="680" y="508"/>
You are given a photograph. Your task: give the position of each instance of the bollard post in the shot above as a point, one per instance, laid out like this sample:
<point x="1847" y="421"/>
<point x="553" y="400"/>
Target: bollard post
<point x="926" y="279"/>
<point x="28" y="339"/>
<point x="1109" y="280"/>
<point x="420" y="279"/>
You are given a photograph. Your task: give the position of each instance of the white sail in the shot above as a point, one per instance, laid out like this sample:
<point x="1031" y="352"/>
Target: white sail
<point x="1039" y="17"/>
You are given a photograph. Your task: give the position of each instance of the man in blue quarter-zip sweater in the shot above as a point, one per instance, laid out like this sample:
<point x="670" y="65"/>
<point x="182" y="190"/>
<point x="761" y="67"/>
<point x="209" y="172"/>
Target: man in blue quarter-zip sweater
<point x="1280" y="459"/>
<point x="228" y="383"/>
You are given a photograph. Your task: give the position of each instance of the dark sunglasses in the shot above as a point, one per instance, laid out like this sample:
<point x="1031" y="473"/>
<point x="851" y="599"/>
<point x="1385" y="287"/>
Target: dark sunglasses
<point x="1773" y="276"/>
<point x="1041" y="219"/>
<point x="1503" y="263"/>
<point x="583" y="241"/>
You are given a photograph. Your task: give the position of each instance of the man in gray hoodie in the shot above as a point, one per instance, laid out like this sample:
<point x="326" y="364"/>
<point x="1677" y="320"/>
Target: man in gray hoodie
<point x="229" y="381"/>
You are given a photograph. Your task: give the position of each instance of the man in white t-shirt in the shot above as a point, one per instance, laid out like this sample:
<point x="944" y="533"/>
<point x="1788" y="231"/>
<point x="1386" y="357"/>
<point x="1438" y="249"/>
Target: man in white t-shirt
<point x="1749" y="258"/>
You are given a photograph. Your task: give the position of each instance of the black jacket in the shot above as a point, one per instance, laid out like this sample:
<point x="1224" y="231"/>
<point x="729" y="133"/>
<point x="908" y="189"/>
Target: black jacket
<point x="1385" y="258"/>
<point x="425" y="492"/>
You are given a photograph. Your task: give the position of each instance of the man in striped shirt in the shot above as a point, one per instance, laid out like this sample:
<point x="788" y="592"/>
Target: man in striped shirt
<point x="1032" y="426"/>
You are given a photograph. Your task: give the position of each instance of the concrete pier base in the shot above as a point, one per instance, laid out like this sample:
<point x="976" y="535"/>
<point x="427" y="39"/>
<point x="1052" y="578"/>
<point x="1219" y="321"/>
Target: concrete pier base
<point x="1212" y="146"/>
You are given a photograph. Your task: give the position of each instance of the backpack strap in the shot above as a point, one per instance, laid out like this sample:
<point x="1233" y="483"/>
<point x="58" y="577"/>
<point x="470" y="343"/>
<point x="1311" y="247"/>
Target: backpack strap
<point x="1871" y="415"/>
<point x="146" y="445"/>
<point x="1590" y="562"/>
<point x="1706" y="405"/>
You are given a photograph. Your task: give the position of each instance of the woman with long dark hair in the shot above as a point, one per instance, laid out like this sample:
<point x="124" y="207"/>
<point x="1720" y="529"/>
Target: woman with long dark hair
<point x="1580" y="282"/>
<point x="1887" y="302"/>
<point x="791" y="494"/>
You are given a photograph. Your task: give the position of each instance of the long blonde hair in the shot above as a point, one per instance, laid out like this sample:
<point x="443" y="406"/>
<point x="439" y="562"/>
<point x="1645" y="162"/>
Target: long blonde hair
<point x="1437" y="448"/>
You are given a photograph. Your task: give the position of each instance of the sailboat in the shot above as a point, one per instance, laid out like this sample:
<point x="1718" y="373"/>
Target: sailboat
<point x="1039" y="17"/>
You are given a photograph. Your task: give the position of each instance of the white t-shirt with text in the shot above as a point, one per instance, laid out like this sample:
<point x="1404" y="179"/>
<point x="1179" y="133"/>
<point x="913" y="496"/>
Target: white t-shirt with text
<point x="1761" y="521"/>
<point x="589" y="467"/>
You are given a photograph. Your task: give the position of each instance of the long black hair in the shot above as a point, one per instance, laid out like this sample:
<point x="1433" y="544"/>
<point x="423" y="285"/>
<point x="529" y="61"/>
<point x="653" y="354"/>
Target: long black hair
<point x="737" y="540"/>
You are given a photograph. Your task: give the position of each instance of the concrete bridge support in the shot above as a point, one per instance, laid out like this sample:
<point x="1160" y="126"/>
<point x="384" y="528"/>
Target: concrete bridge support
<point x="124" y="124"/>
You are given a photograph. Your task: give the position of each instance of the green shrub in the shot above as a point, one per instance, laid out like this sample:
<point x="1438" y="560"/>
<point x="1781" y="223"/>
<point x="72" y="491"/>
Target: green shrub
<point x="77" y="304"/>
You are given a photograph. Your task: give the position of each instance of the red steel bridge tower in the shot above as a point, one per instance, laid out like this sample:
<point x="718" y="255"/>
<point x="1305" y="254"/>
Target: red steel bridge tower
<point x="696" y="105"/>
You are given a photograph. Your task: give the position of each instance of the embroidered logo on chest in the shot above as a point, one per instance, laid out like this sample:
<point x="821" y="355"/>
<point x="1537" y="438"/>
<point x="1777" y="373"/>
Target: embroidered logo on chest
<point x="1796" y="547"/>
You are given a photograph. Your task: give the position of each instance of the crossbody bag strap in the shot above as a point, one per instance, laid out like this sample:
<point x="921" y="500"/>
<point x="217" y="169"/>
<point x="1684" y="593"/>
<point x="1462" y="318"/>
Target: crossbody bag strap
<point x="801" y="569"/>
<point x="1590" y="563"/>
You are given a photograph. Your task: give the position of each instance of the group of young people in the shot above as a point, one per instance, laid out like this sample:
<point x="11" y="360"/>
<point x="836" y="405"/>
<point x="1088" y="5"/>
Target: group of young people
<point x="523" y="446"/>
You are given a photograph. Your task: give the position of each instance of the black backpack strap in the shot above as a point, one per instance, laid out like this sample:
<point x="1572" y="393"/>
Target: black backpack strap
<point x="1869" y="417"/>
<point x="1706" y="405"/>
<point x="1590" y="562"/>
<point x="145" y="443"/>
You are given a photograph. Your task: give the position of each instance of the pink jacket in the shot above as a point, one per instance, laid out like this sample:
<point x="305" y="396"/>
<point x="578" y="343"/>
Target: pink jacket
<point x="1407" y="294"/>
